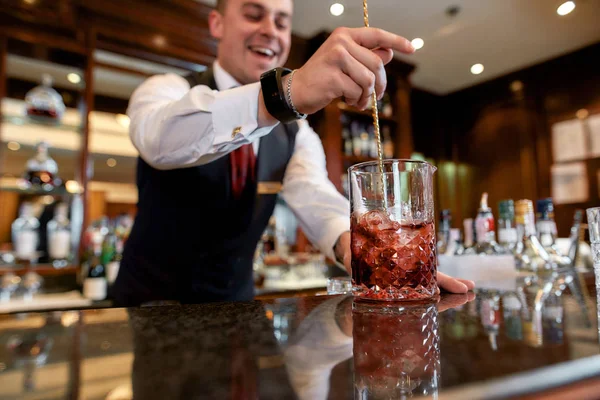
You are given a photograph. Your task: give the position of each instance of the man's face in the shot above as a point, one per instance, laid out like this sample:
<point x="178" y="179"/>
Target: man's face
<point x="254" y="36"/>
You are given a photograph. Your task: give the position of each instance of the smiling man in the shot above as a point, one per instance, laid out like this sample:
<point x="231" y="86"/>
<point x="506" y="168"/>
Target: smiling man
<point x="216" y="148"/>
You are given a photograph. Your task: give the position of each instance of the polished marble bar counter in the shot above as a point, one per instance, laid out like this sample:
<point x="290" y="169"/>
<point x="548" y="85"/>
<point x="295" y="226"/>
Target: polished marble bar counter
<point x="319" y="347"/>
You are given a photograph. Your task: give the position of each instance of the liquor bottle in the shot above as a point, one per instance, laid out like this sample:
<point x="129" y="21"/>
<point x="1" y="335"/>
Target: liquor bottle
<point x="388" y="145"/>
<point x="574" y="237"/>
<point x="468" y="242"/>
<point x="43" y="103"/>
<point x="534" y="293"/>
<point x="513" y="325"/>
<point x="94" y="284"/>
<point x="485" y="229"/>
<point x="372" y="143"/>
<point x="443" y="241"/>
<point x="386" y="106"/>
<point x="41" y="170"/>
<point x="268" y="237"/>
<point x="345" y="185"/>
<point x="547" y="232"/>
<point x="530" y="255"/>
<point x="356" y="141"/>
<point x="25" y="234"/>
<point x="457" y="247"/>
<point x="365" y="144"/>
<point x="347" y="139"/>
<point x="490" y="317"/>
<point x="59" y="237"/>
<point x="553" y="319"/>
<point x="533" y="331"/>
<point x="111" y="254"/>
<point x="282" y="247"/>
<point x="507" y="233"/>
<point x="546" y="227"/>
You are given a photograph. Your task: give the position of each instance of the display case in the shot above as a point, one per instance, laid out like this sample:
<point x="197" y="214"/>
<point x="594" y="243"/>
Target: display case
<point x="93" y="55"/>
<point x="41" y="139"/>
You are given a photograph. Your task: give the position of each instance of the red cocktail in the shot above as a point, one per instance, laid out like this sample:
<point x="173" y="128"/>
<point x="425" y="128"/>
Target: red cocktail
<point x="393" y="233"/>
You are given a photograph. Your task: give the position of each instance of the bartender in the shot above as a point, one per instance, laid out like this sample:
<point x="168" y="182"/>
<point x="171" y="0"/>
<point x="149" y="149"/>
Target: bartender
<point x="216" y="148"/>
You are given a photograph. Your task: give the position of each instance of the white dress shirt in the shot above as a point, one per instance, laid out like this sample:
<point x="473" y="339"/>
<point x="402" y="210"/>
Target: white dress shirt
<point x="175" y="127"/>
<point x="317" y="346"/>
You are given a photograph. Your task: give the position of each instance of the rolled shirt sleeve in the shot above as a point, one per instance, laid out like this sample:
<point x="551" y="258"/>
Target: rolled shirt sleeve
<point x="323" y="213"/>
<point x="173" y="126"/>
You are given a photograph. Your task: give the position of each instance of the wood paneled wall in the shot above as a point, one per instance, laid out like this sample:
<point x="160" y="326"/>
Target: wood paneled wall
<point x="9" y="207"/>
<point x="501" y="138"/>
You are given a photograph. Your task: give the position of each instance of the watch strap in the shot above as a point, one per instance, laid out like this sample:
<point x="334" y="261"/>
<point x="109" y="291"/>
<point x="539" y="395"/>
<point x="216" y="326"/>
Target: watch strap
<point x="274" y="95"/>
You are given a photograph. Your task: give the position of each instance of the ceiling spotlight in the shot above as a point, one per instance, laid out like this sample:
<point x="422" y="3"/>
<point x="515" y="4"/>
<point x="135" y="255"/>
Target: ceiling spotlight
<point x="453" y="11"/>
<point x="417" y="43"/>
<point x="476" y="69"/>
<point x="122" y="120"/>
<point x="74" y="78"/>
<point x="111" y="162"/>
<point x="14" y="146"/>
<point x="159" y="41"/>
<point x="565" y="8"/>
<point x="336" y="9"/>
<point x="516" y="86"/>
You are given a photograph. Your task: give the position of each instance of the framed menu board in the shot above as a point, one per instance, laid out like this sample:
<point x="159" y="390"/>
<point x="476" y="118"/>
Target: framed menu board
<point x="570" y="183"/>
<point x="569" y="141"/>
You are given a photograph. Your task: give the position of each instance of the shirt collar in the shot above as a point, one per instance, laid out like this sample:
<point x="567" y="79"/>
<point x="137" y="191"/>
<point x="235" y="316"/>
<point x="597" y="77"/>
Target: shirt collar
<point x="223" y="79"/>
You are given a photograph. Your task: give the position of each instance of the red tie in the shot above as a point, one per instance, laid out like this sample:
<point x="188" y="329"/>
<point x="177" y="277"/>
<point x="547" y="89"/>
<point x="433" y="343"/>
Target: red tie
<point x="243" y="162"/>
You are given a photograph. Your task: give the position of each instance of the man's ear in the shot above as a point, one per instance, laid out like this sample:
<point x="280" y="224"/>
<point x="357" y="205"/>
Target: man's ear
<point x="215" y="24"/>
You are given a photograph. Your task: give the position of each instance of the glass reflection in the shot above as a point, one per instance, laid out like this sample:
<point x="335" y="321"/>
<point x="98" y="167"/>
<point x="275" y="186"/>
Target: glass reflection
<point x="542" y="308"/>
<point x="396" y="351"/>
<point x="29" y="351"/>
<point x="395" y="348"/>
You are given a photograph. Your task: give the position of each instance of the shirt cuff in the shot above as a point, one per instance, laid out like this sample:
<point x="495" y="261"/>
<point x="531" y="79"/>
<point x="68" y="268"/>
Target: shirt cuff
<point x="333" y="230"/>
<point x="235" y="116"/>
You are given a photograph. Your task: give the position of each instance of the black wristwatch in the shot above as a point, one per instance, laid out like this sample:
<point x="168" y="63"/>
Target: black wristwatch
<point x="276" y="96"/>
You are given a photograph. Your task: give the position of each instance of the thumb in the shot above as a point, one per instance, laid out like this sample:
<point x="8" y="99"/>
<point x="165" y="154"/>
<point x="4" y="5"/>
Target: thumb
<point x="385" y="54"/>
<point x="348" y="262"/>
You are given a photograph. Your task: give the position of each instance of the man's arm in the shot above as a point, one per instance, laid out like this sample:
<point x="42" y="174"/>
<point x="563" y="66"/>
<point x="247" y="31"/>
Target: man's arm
<point x="173" y="126"/>
<point x="323" y="213"/>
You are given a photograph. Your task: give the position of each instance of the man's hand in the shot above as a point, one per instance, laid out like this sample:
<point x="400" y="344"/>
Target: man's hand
<point x="449" y="284"/>
<point x="349" y="64"/>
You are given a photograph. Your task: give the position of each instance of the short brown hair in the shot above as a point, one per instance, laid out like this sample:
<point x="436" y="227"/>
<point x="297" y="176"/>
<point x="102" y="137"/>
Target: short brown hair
<point x="221" y="5"/>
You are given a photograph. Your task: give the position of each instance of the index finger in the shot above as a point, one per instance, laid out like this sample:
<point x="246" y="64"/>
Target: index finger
<point x="373" y="38"/>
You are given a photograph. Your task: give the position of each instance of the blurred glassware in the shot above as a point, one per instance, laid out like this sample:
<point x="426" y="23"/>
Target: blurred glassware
<point x="41" y="171"/>
<point x="59" y="237"/>
<point x="339" y="285"/>
<point x="25" y="234"/>
<point x="593" y="217"/>
<point x="43" y="103"/>
<point x="31" y="283"/>
<point x="8" y="286"/>
<point x="396" y="350"/>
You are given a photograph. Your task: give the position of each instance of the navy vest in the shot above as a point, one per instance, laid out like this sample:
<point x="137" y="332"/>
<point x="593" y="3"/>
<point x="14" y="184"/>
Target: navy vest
<point x="191" y="240"/>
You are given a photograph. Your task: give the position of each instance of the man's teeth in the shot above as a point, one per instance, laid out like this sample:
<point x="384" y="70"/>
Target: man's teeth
<point x="264" y="51"/>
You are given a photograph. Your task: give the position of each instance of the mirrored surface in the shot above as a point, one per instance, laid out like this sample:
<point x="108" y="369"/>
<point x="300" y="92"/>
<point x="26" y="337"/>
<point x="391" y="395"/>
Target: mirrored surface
<point x="308" y="348"/>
